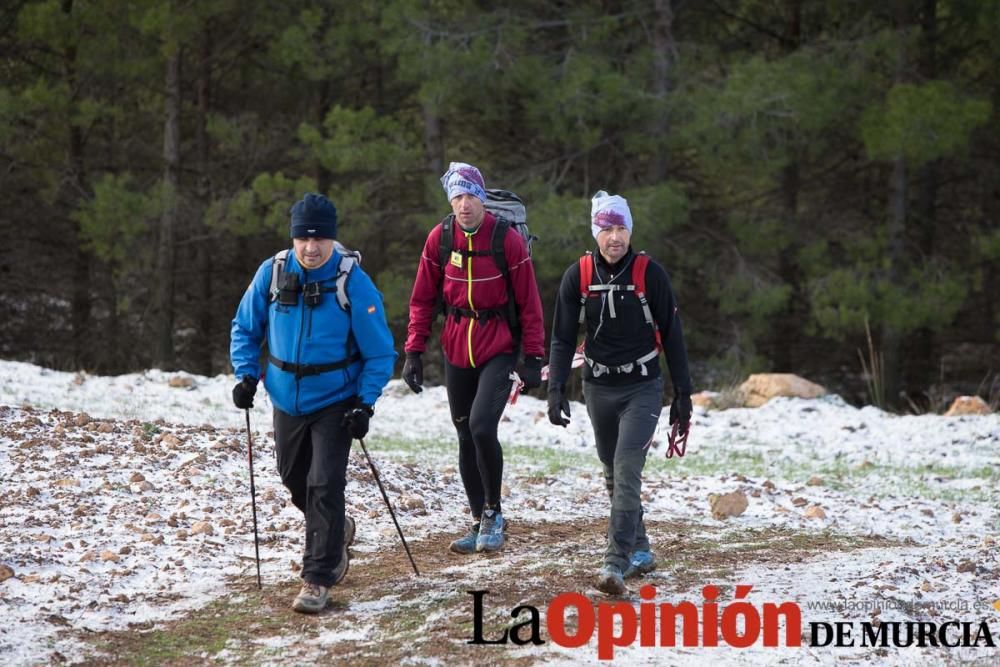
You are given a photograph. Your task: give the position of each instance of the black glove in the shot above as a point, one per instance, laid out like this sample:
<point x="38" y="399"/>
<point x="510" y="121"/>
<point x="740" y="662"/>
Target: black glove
<point x="244" y="391"/>
<point x="531" y="373"/>
<point x="356" y="420"/>
<point x="558" y="405"/>
<point x="680" y="411"/>
<point x="413" y="372"/>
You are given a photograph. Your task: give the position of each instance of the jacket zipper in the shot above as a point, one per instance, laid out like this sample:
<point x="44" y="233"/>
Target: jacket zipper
<point x="298" y="343"/>
<point x="472" y="320"/>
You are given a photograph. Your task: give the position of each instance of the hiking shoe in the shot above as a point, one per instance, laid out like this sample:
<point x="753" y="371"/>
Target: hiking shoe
<point x="340" y="571"/>
<point x="349" y="529"/>
<point x="467" y="543"/>
<point x="639" y="563"/>
<point x="311" y="599"/>
<point x="610" y="580"/>
<point x="491" y="530"/>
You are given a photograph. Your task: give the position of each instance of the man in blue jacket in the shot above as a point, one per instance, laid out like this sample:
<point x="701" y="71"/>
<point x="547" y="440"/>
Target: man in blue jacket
<point x="330" y="353"/>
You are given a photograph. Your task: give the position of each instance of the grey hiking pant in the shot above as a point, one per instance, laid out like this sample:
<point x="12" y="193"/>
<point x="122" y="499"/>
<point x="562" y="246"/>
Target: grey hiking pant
<point x="624" y="420"/>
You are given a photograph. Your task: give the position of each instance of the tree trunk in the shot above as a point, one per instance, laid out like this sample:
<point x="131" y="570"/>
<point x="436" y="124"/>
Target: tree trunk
<point x="432" y="139"/>
<point x="164" y="356"/>
<point x="788" y="323"/>
<point x="922" y="369"/>
<point x="892" y="336"/>
<point x="76" y="188"/>
<point x="323" y="177"/>
<point x="203" y="296"/>
<point x="787" y="330"/>
<point x="664" y="57"/>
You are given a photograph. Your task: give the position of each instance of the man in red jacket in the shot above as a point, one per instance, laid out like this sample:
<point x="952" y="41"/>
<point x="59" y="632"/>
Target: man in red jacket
<point x="479" y="346"/>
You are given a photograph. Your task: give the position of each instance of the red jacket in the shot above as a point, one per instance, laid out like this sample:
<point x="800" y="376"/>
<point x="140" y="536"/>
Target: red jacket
<point x="475" y="285"/>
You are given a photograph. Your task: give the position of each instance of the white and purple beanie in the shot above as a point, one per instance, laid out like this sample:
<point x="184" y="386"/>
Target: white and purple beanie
<point x="608" y="211"/>
<point x="462" y="178"/>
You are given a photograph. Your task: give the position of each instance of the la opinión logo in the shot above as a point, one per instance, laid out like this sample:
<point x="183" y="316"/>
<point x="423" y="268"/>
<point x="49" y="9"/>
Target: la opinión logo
<point x="617" y="624"/>
<point x="572" y="620"/>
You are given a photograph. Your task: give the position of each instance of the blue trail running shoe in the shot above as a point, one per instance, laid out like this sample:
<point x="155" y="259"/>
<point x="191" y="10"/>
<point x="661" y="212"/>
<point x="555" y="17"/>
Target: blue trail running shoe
<point x="610" y="580"/>
<point x="639" y="563"/>
<point x="467" y="543"/>
<point x="491" y="531"/>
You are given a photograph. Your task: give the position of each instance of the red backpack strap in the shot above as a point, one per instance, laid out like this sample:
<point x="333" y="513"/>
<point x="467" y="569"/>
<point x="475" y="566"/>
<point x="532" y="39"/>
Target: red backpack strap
<point x="586" y="276"/>
<point x="639" y="265"/>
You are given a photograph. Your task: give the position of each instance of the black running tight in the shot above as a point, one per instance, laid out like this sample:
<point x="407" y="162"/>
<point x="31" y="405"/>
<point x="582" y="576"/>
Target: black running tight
<point x="477" y="397"/>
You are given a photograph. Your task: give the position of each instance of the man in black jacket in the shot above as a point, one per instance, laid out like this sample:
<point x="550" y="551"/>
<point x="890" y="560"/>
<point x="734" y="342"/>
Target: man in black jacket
<point x="630" y="313"/>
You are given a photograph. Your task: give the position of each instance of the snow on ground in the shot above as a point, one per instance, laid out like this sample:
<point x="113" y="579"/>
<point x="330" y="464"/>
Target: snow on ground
<point x="137" y="510"/>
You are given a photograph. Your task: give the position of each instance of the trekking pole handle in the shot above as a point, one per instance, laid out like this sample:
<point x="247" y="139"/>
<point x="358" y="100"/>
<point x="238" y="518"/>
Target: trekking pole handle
<point x="516" y="385"/>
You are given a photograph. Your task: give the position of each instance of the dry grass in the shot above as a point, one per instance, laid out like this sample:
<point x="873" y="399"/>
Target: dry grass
<point x="873" y="370"/>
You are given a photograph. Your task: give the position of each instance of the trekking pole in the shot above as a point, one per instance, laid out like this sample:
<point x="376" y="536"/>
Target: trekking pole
<point x="371" y="464"/>
<point x="253" y="499"/>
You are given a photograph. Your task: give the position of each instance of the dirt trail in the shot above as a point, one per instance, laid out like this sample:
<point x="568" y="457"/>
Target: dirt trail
<point x="382" y="614"/>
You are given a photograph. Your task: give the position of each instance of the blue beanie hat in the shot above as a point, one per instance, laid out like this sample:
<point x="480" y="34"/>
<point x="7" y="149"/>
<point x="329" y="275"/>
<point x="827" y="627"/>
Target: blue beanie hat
<point x="314" y="216"/>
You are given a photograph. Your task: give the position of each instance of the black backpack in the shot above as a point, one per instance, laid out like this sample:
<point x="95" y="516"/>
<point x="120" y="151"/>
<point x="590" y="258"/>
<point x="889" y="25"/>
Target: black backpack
<point x="509" y="211"/>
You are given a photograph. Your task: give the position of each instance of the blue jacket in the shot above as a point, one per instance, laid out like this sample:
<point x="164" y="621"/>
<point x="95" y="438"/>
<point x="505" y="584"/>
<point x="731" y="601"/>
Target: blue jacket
<point x="317" y="335"/>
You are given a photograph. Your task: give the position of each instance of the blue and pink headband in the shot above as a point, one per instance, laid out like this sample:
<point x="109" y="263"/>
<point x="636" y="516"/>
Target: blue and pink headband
<point x="462" y="178"/>
<point x="609" y="211"/>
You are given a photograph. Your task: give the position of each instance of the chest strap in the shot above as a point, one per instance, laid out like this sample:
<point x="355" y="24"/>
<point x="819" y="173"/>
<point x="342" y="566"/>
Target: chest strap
<point x="480" y="315"/>
<point x="611" y="289"/>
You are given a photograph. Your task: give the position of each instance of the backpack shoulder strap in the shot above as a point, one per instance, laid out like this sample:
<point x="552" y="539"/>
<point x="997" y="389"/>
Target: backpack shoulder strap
<point x="277" y="269"/>
<point x="639" y="266"/>
<point x="497" y="247"/>
<point x="586" y="276"/>
<point x="446" y="241"/>
<point x="444" y="252"/>
<point x="497" y="238"/>
<point x="348" y="260"/>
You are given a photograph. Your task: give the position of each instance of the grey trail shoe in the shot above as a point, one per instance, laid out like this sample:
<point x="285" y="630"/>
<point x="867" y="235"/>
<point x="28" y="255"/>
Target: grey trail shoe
<point x="610" y="580"/>
<point x="340" y="571"/>
<point x="311" y="599"/>
<point x="349" y="530"/>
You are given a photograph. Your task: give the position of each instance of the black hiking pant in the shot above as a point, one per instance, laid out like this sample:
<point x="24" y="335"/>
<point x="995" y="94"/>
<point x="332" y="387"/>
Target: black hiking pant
<point x="312" y="455"/>
<point x="477" y="397"/>
<point x="624" y="420"/>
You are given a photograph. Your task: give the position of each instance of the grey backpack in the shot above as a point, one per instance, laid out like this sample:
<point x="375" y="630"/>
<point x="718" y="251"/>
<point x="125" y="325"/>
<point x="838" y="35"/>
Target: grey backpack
<point x="506" y="205"/>
<point x="348" y="260"/>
